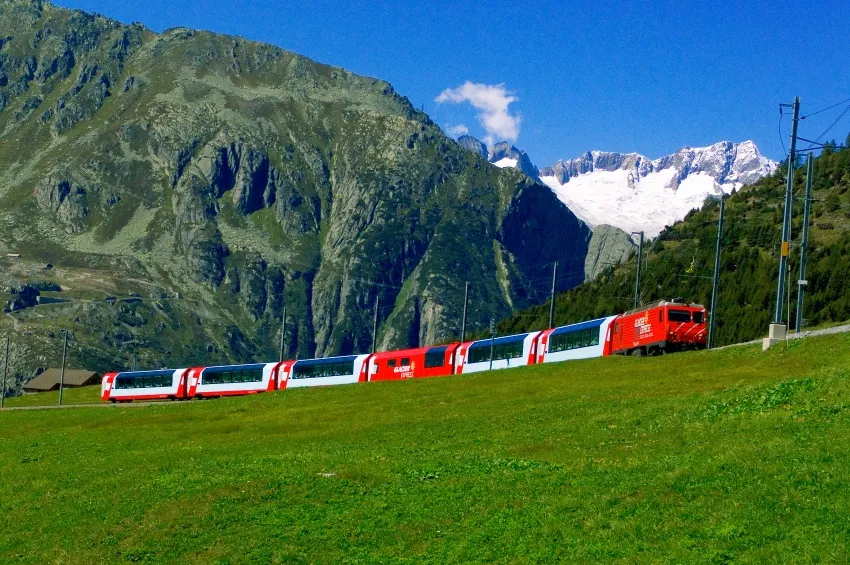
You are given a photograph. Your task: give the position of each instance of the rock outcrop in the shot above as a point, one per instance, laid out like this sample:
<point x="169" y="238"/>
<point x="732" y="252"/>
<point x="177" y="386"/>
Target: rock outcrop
<point x="609" y="246"/>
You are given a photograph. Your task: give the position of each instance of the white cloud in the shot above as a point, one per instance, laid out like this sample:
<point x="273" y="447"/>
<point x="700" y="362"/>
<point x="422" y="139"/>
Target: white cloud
<point x="493" y="102"/>
<point x="457" y="131"/>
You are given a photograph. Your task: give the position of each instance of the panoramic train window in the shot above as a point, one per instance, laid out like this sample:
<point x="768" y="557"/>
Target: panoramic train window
<point x="480" y="352"/>
<point x="232" y="376"/>
<point x="574" y="340"/>
<point x="150" y="380"/>
<point x="679" y="316"/>
<point x="323" y="369"/>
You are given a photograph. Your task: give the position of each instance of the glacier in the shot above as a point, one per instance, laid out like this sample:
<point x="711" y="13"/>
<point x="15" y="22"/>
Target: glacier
<point x="634" y="193"/>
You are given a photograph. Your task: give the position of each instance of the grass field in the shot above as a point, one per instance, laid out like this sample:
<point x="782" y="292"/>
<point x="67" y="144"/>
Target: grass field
<point x="730" y="456"/>
<point x="70" y="396"/>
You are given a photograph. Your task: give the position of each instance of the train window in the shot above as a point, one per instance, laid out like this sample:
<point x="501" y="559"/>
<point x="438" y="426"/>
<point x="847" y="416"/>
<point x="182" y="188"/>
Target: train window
<point x="316" y="370"/>
<point x="405" y="361"/>
<point x="508" y="350"/>
<point x="435" y="359"/>
<point x="699" y="317"/>
<point x="661" y="315"/>
<point x="679" y="316"/>
<point x="222" y="377"/>
<point x="574" y="340"/>
<point x="391" y="363"/>
<point x="479" y="353"/>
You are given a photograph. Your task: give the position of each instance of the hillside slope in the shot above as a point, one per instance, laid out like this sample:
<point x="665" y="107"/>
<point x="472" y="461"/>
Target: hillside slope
<point x="680" y="262"/>
<point x="240" y="177"/>
<point x="709" y="457"/>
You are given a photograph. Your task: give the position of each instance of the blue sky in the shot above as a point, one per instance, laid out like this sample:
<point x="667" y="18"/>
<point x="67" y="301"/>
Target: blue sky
<point x="619" y="76"/>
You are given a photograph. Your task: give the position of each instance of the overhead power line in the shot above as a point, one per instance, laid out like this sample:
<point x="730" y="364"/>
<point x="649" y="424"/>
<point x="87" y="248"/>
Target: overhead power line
<point x="825" y="109"/>
<point x="833" y="124"/>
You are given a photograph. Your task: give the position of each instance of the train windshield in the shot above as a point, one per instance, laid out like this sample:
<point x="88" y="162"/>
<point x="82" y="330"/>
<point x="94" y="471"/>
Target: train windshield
<point x="699" y="317"/>
<point x="679" y="316"/>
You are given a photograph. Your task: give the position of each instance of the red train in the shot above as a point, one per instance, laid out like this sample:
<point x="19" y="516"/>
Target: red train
<point x="658" y="328"/>
<point x="662" y="327"/>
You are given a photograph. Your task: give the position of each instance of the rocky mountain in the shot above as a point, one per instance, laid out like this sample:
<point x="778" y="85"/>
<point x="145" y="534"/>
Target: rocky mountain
<point x="610" y="246"/>
<point x="179" y="189"/>
<point x="635" y="193"/>
<point x="471" y="144"/>
<point x="506" y="156"/>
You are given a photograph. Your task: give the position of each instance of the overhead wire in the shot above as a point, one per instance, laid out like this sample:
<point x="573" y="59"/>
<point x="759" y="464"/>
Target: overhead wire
<point x="833" y="124"/>
<point x="825" y="109"/>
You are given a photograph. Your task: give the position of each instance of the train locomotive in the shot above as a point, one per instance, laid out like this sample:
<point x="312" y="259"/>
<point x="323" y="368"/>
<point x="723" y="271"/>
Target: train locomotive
<point x="655" y="329"/>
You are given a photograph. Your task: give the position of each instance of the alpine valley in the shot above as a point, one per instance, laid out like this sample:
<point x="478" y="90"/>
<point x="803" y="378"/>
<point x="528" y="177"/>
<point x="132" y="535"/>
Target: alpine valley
<point x="163" y="196"/>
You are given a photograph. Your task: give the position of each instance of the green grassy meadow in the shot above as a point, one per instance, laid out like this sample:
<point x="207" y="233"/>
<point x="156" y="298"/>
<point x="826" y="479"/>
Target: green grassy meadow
<point x="728" y="456"/>
<point x="70" y="396"/>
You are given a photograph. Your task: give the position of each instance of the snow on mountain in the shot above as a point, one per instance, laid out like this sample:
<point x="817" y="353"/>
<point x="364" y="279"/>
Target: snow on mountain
<point x="636" y="194"/>
<point x="632" y="192"/>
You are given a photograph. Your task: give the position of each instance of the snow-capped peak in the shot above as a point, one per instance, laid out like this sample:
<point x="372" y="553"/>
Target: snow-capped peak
<point x="633" y="192"/>
<point x="636" y="194"/>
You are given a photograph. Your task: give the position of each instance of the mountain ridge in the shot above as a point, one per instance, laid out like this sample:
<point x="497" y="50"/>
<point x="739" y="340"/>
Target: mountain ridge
<point x="635" y="193"/>
<point x="216" y="179"/>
